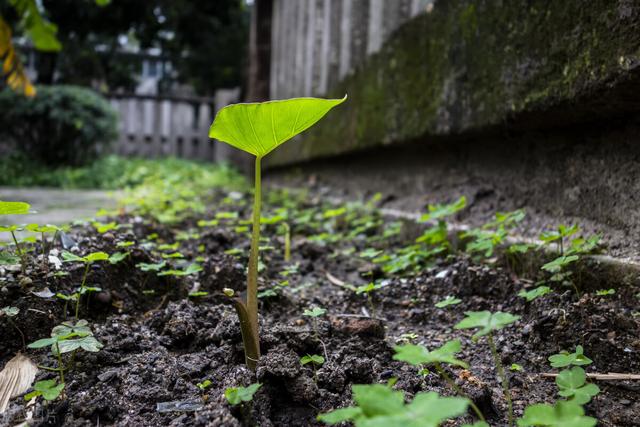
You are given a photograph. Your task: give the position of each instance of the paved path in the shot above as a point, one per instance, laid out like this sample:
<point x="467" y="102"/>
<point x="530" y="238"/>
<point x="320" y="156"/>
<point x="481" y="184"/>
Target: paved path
<point x="55" y="206"/>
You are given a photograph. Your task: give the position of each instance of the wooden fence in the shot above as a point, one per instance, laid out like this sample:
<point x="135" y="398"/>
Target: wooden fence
<point x="156" y="126"/>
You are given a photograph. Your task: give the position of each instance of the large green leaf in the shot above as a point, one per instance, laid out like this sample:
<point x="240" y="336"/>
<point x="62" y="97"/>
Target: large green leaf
<point x="572" y="384"/>
<point x="258" y="128"/>
<point x="14" y="208"/>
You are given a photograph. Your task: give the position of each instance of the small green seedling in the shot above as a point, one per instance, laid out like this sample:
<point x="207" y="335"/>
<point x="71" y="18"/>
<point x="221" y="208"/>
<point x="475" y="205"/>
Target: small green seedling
<point x="313" y="314"/>
<point x="238" y="395"/>
<point x="65" y="338"/>
<point x="572" y="384"/>
<point x="449" y="300"/>
<point x="48" y="389"/>
<point x="191" y="269"/>
<point x="368" y="291"/>
<point x="534" y="293"/>
<point x="564" y="358"/>
<point x="488" y="323"/>
<point x="88" y="261"/>
<point x="9" y="312"/>
<point x="419" y="356"/>
<point x="315" y="360"/>
<point x="562" y="414"/>
<point x="15" y="208"/>
<point x="605" y="292"/>
<point x="204" y="385"/>
<point x="43" y="229"/>
<point x="379" y="405"/>
<point x="516" y="367"/>
<point x="559" y="236"/>
<point x="258" y="129"/>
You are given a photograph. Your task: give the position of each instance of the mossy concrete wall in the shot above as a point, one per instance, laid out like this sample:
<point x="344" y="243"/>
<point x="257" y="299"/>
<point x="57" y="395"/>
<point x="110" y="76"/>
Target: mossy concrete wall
<point x="468" y="65"/>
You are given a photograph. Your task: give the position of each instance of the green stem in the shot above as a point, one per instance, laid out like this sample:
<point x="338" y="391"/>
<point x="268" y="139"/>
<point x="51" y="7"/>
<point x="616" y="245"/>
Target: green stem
<point x="61" y="371"/>
<point x="503" y="377"/>
<point x="287" y="242"/>
<point x="254" y="256"/>
<point x="20" y="253"/>
<point x="458" y="389"/>
<point x="84" y="279"/>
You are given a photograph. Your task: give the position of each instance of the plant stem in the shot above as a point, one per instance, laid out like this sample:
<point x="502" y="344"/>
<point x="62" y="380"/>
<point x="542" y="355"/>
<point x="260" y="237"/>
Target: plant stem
<point x="458" y="389"/>
<point x="60" y="367"/>
<point x="503" y="377"/>
<point x="44" y="252"/>
<point x="252" y="277"/>
<point x="287" y="242"/>
<point x="84" y="279"/>
<point x="22" y="255"/>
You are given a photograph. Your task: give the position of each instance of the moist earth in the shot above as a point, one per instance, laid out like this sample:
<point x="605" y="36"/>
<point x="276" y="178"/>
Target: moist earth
<point x="159" y="342"/>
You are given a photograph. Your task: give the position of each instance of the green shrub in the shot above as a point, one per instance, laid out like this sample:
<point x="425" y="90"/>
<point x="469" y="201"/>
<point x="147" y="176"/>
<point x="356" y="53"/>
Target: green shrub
<point x="62" y="125"/>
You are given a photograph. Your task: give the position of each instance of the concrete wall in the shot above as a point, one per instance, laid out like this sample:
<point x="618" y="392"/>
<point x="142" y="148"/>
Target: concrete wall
<point x="317" y="43"/>
<point x="461" y="67"/>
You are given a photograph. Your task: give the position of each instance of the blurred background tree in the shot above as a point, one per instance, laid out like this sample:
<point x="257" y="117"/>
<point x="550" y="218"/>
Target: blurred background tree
<point x="104" y="43"/>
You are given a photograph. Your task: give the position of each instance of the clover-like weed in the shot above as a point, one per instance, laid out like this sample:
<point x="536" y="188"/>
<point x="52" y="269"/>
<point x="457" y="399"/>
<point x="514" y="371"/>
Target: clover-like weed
<point x="488" y="323"/>
<point x="68" y="337"/>
<point x="561" y="414"/>
<point x="87" y="260"/>
<point x="418" y="355"/>
<point x="564" y="358"/>
<point x="534" y="293"/>
<point x="258" y="129"/>
<point x="379" y="405"/>
<point x="238" y="395"/>
<point x="15" y="208"/>
<point x="572" y="384"/>
<point x="315" y="360"/>
<point x="48" y="389"/>
<point x="448" y="301"/>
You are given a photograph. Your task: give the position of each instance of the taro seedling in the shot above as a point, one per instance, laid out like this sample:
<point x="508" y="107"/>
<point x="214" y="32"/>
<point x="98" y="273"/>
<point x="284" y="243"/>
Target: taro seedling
<point x="88" y="261"/>
<point x="418" y="355"/>
<point x="238" y="395"/>
<point x="315" y="360"/>
<point x="488" y="323"/>
<point x="449" y="300"/>
<point x="259" y="128"/>
<point x="534" y="293"/>
<point x="562" y="414"/>
<point x="379" y="405"/>
<point x="439" y="234"/>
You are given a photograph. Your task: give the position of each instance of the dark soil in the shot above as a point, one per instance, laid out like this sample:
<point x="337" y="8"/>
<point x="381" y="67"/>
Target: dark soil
<point x="158" y="345"/>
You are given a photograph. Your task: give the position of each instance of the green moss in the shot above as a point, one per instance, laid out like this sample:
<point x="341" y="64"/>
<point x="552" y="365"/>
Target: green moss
<point x="469" y="65"/>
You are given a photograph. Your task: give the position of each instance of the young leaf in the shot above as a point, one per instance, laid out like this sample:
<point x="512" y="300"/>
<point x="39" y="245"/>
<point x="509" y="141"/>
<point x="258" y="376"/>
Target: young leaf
<point x="450" y="300"/>
<point x="315" y="312"/>
<point x="258" y="128"/>
<point x="534" y="293"/>
<point x="340" y="415"/>
<point x="314" y="358"/>
<point x="486" y="321"/>
<point x="48" y="389"/>
<point x="571" y="383"/>
<point x="237" y="395"/>
<point x="562" y="414"/>
<point x="441" y="211"/>
<point x="419" y="355"/>
<point x="565" y="358"/>
<point x="14" y="208"/>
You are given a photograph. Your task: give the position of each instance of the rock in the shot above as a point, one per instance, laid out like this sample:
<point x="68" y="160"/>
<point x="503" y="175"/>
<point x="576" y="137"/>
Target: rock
<point x="359" y="325"/>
